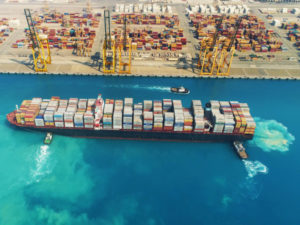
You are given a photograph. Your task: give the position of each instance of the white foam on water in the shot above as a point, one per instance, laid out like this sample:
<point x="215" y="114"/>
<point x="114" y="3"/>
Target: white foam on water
<point x="255" y="167"/>
<point x="137" y="86"/>
<point x="41" y="166"/>
<point x="271" y="135"/>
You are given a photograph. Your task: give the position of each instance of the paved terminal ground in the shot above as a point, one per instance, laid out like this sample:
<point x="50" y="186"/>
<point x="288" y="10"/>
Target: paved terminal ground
<point x="18" y="60"/>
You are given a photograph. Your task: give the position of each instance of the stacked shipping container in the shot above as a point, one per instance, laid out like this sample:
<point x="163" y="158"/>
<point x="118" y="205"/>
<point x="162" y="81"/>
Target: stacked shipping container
<point x="77" y="27"/>
<point x="251" y="35"/>
<point x="168" y="115"/>
<point x="148" y="39"/>
<point x="5" y="29"/>
<point x="144" y="19"/>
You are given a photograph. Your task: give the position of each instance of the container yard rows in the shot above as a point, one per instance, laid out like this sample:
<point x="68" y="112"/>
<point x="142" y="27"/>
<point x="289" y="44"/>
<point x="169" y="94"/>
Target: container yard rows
<point x="165" y="39"/>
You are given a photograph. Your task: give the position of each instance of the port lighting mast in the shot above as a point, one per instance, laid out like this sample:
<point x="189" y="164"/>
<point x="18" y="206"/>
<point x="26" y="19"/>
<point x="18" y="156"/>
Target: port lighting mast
<point x="125" y="48"/>
<point x="224" y="64"/>
<point x="38" y="45"/>
<point x="109" y="50"/>
<point x="46" y="6"/>
<point x="88" y="6"/>
<point x="208" y="52"/>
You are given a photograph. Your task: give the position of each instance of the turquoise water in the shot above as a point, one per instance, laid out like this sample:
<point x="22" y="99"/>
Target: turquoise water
<point x="109" y="182"/>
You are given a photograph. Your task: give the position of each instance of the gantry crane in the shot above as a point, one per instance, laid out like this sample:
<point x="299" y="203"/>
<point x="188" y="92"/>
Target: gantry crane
<point x="209" y="51"/>
<point x="226" y="56"/>
<point x="125" y="47"/>
<point x="109" y="49"/>
<point x="38" y="45"/>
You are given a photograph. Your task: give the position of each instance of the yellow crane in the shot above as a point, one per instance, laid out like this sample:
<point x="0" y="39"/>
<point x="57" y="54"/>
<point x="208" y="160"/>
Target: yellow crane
<point x="109" y="48"/>
<point x="208" y="52"/>
<point x="226" y="56"/>
<point x="38" y="46"/>
<point x="125" y="48"/>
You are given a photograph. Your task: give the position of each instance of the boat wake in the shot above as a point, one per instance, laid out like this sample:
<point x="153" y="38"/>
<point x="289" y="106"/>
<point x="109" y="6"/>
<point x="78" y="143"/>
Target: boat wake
<point x="255" y="167"/>
<point x="271" y="135"/>
<point x="137" y="86"/>
<point x="41" y="167"/>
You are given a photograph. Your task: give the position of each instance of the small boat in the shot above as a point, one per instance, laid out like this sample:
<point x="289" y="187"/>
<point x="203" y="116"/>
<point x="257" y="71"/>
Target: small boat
<point x="180" y="90"/>
<point x="48" y="138"/>
<point x="240" y="150"/>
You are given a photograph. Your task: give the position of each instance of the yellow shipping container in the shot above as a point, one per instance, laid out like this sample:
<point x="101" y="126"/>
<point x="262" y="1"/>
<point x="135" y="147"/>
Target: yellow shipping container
<point x="242" y="129"/>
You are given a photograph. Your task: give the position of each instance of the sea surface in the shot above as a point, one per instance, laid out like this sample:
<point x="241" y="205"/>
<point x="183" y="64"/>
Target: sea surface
<point x="78" y="181"/>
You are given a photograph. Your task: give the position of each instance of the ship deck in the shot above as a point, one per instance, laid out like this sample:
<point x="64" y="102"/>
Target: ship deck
<point x="134" y="134"/>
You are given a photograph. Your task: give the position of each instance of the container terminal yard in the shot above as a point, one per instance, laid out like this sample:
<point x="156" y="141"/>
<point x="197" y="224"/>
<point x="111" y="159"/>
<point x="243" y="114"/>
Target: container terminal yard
<point x="251" y="39"/>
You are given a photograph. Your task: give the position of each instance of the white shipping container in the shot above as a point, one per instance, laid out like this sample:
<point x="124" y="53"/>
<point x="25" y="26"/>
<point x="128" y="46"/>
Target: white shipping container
<point x="148" y="115"/>
<point x="108" y="108"/>
<point x="178" y="128"/>
<point x="128" y="101"/>
<point x="117" y="127"/>
<point x="59" y="124"/>
<point x="127" y="126"/>
<point x="91" y="102"/>
<point x="69" y="124"/>
<point x="39" y="122"/>
<point x="128" y="110"/>
<point x="196" y="103"/>
<point x="48" y="116"/>
<point x="88" y="125"/>
<point x="127" y="119"/>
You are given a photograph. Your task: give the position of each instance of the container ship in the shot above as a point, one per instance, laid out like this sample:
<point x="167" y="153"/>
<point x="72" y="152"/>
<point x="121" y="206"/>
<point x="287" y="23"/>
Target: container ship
<point x="150" y="120"/>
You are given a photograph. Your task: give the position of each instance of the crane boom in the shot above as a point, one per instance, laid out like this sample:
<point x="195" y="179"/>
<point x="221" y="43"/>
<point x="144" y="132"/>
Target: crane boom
<point x="226" y="57"/>
<point x="33" y="35"/>
<point x="109" y="54"/>
<point x="220" y="21"/>
<point x="38" y="45"/>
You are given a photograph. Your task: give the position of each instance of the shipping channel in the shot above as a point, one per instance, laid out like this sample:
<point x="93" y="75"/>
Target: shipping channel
<point x="86" y="181"/>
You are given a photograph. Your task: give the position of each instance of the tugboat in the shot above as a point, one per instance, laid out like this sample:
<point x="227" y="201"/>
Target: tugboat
<point x="240" y="150"/>
<point x="180" y="90"/>
<point x="48" y="138"/>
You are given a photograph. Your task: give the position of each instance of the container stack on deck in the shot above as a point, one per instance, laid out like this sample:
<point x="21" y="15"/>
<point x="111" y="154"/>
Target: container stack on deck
<point x="88" y="117"/>
<point x="158" y="116"/>
<point x="108" y="111"/>
<point x="251" y="35"/>
<point x="148" y="115"/>
<point x="179" y="116"/>
<point x="138" y="116"/>
<point x="128" y="113"/>
<point x="167" y="115"/>
<point x="198" y="113"/>
<point x="118" y="115"/>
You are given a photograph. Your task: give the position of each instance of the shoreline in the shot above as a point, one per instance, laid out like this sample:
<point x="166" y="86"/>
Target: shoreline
<point x="243" y="77"/>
